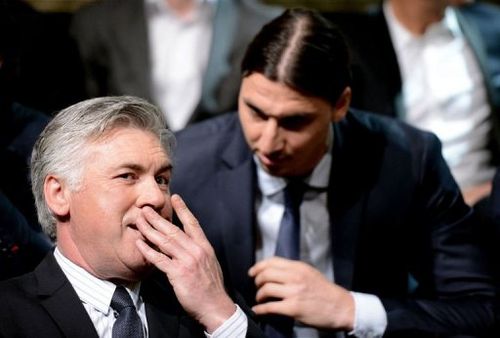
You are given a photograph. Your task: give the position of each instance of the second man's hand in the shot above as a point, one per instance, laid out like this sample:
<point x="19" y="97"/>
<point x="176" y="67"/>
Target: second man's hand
<point x="298" y="290"/>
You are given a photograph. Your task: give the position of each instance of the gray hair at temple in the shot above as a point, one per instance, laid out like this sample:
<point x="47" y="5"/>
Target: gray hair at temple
<point x="61" y="148"/>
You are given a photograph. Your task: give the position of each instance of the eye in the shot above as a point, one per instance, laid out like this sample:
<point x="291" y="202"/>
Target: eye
<point x="127" y="176"/>
<point x="162" y="181"/>
<point x="294" y="122"/>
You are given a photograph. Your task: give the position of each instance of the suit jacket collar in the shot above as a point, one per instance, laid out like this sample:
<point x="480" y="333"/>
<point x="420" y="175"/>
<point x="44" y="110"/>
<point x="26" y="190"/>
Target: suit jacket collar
<point x="162" y="307"/>
<point x="346" y="198"/>
<point x="236" y="184"/>
<point x="57" y="295"/>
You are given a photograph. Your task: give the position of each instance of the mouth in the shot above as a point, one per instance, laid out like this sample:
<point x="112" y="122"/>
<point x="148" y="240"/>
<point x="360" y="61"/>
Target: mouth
<point x="270" y="160"/>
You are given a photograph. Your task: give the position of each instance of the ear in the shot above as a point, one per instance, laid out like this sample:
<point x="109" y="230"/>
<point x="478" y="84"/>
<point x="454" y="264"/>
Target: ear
<point x="342" y="105"/>
<point x="56" y="196"/>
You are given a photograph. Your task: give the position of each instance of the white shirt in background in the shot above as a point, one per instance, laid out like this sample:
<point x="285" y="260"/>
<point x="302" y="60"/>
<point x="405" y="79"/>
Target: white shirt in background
<point x="444" y="92"/>
<point x="179" y="50"/>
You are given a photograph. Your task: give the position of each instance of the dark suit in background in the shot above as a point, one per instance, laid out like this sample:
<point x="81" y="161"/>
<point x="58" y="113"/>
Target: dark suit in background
<point x="113" y="42"/>
<point x="395" y="212"/>
<point x="44" y="304"/>
<point x="22" y="242"/>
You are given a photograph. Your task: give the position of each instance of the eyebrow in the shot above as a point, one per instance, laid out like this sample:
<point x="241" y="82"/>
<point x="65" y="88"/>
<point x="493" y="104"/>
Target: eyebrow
<point x="261" y="112"/>
<point x="254" y="107"/>
<point x="137" y="167"/>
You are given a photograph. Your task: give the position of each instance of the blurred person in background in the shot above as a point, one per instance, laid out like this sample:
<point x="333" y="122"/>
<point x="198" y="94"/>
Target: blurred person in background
<point x="184" y="55"/>
<point x="436" y="65"/>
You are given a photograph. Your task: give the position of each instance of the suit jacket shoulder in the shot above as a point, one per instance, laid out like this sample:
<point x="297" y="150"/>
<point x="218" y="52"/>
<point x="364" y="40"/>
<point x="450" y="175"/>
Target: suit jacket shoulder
<point x="36" y="305"/>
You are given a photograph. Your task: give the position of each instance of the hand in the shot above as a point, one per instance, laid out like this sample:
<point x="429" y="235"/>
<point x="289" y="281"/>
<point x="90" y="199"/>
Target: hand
<point x="189" y="261"/>
<point x="303" y="293"/>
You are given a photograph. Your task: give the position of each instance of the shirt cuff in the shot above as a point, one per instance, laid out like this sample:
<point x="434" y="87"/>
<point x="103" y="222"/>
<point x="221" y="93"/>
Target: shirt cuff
<point x="236" y="326"/>
<point x="370" y="318"/>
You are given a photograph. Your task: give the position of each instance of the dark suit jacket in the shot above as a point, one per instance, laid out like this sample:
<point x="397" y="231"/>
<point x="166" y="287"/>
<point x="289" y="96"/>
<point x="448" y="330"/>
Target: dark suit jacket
<point x="44" y="304"/>
<point x="377" y="79"/>
<point x="395" y="212"/>
<point x="113" y="42"/>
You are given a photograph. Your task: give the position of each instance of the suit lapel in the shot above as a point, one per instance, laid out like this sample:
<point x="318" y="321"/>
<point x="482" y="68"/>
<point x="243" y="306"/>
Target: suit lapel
<point x="60" y="300"/>
<point x="236" y="186"/>
<point x="224" y="30"/>
<point x="162" y="309"/>
<point x="353" y="171"/>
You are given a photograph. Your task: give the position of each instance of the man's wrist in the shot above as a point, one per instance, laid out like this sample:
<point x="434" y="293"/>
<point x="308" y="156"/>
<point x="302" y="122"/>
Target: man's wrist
<point x="370" y="317"/>
<point x="234" y="327"/>
<point x="217" y="314"/>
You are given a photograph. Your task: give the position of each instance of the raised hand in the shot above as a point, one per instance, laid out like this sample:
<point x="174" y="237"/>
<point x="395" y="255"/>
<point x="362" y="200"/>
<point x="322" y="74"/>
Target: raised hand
<point x="189" y="262"/>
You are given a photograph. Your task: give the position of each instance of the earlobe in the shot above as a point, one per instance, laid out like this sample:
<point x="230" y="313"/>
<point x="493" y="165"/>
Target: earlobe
<point x="56" y="196"/>
<point x="342" y="106"/>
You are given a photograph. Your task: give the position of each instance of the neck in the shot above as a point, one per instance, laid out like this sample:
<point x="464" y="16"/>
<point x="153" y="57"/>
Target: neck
<point x="417" y="15"/>
<point x="182" y="8"/>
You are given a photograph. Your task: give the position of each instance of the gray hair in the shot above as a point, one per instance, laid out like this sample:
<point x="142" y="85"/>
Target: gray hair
<point x="60" y="149"/>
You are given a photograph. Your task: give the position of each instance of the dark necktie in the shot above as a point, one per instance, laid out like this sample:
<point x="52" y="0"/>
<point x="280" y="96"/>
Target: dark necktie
<point x="288" y="243"/>
<point x="127" y="324"/>
<point x="287" y="246"/>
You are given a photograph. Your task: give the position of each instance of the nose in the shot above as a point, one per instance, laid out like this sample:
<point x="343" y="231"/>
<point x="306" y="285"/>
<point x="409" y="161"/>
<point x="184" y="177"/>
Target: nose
<point x="151" y="195"/>
<point x="270" y="140"/>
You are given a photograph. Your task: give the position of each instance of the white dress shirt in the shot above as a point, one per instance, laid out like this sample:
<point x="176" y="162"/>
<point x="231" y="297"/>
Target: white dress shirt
<point x="179" y="49"/>
<point x="96" y="295"/>
<point x="444" y="92"/>
<point x="315" y="244"/>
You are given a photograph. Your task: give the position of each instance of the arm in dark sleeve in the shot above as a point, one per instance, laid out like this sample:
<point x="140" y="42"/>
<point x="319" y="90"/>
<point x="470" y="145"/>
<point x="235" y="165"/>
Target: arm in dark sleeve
<point x="455" y="291"/>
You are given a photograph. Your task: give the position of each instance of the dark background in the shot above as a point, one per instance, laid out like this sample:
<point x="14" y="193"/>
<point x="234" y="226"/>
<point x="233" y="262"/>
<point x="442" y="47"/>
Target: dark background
<point x="328" y="5"/>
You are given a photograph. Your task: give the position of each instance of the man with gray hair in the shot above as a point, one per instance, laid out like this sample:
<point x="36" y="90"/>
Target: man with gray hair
<point x="101" y="173"/>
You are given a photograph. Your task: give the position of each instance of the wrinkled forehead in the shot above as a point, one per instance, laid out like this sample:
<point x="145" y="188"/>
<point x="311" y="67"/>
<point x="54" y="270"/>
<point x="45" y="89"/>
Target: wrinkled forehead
<point x="163" y="136"/>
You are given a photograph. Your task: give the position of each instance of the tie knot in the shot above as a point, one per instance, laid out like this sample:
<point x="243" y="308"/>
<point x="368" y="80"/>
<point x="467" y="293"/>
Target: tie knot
<point x="121" y="299"/>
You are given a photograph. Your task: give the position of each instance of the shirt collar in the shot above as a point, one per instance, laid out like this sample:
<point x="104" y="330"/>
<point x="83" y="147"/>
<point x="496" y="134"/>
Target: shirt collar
<point x="90" y="289"/>
<point x="270" y="185"/>
<point x="401" y="37"/>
